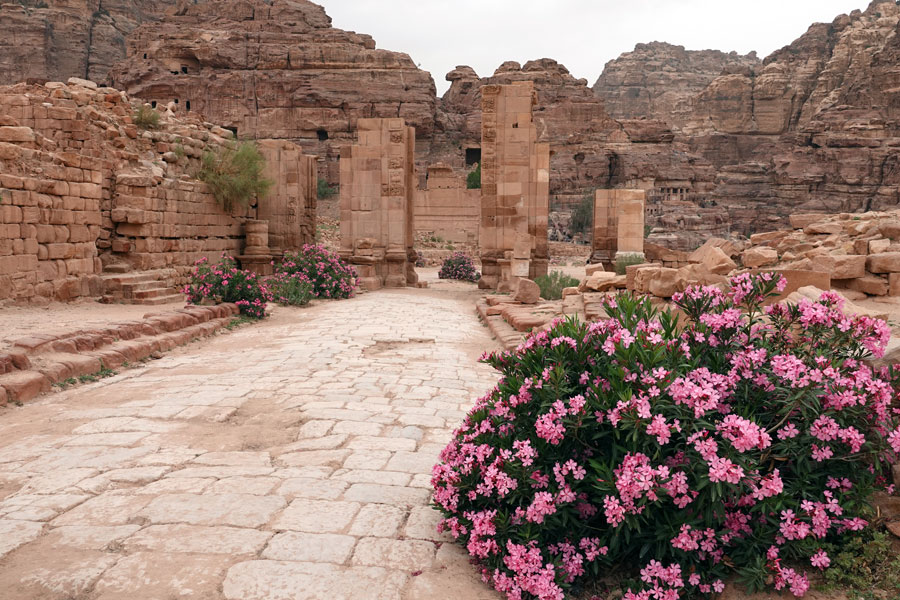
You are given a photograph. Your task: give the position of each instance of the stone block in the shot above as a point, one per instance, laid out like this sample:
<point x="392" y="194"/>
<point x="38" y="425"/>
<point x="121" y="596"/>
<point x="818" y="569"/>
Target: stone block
<point x="884" y="262"/>
<point x="22" y="386"/>
<point x="762" y="256"/>
<point x="870" y="284"/>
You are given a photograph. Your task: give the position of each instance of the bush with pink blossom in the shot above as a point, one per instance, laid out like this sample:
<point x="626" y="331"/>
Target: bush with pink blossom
<point x="225" y="282"/>
<point x="459" y="266"/>
<point x="741" y="440"/>
<point x="329" y="276"/>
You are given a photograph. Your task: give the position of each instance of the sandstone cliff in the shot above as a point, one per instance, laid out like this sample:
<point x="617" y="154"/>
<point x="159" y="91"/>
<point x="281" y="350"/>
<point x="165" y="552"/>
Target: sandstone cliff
<point x="275" y="69"/>
<point x="659" y="80"/>
<point x="57" y="39"/>
<point x="589" y="148"/>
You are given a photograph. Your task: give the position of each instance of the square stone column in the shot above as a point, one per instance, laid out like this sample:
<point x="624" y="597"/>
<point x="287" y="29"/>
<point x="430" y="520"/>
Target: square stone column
<point x="618" y="225"/>
<point x="515" y="188"/>
<point x="290" y="205"/>
<point x="377" y="188"/>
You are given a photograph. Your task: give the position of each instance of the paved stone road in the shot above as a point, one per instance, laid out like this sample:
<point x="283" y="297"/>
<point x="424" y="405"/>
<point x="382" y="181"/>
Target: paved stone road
<point x="287" y="460"/>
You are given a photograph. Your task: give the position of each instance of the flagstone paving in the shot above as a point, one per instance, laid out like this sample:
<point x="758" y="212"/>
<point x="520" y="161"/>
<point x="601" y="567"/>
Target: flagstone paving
<point x="289" y="460"/>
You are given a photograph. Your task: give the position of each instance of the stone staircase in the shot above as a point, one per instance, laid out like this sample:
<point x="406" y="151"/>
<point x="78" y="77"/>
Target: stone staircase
<point x="151" y="288"/>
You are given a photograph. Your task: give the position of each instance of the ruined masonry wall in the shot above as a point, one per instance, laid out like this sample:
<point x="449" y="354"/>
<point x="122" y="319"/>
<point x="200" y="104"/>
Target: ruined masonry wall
<point x="82" y="188"/>
<point x="447" y="209"/>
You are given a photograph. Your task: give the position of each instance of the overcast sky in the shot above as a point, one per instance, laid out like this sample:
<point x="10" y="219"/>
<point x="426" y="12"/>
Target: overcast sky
<point x="581" y="34"/>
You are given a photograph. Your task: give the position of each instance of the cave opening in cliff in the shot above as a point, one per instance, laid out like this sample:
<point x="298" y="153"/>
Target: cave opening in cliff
<point x="473" y="156"/>
<point x="232" y="130"/>
<point x="153" y="104"/>
<point x="184" y="69"/>
<point x="187" y="105"/>
<point x="322" y="135"/>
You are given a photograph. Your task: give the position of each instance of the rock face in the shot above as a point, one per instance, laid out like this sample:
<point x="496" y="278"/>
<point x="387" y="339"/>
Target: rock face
<point x="590" y="149"/>
<point x="659" y="80"/>
<point x="57" y="39"/>
<point x="812" y="128"/>
<point x="275" y="69"/>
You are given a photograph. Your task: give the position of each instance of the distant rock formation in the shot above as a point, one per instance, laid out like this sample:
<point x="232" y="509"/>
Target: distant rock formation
<point x="659" y="80"/>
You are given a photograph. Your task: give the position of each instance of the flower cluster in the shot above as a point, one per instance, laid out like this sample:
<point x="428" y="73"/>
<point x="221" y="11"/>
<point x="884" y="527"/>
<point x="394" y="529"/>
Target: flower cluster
<point x="224" y="282"/>
<point x="459" y="266"/>
<point x="739" y="439"/>
<point x="329" y="276"/>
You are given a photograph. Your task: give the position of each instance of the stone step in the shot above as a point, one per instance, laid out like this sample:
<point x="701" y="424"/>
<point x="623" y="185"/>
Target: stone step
<point x="152" y="292"/>
<point x="117" y="268"/>
<point x="170" y="299"/>
<point x="133" y="287"/>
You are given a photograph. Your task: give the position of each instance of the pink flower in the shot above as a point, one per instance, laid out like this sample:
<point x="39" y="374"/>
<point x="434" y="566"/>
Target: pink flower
<point x="820" y="560"/>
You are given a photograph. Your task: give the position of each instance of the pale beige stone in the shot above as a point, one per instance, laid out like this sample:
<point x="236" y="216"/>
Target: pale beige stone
<point x="162" y="575"/>
<point x="106" y="509"/>
<point x="413" y="555"/>
<point x="310" y="547"/>
<point x="387" y="494"/>
<point x="316" y="516"/>
<point x="303" y="487"/>
<point x="377" y="520"/>
<point x="198" y="539"/>
<point x="15" y="533"/>
<point x="240" y="510"/>
<point x="279" y="580"/>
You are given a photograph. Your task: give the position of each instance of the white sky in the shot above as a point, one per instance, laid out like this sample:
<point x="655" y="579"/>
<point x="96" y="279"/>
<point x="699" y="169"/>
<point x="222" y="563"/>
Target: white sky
<point x="581" y="34"/>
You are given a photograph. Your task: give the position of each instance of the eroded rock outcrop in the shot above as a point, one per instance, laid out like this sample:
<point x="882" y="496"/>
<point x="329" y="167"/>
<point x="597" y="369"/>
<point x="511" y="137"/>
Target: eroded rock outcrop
<point x="659" y="80"/>
<point x="57" y="39"/>
<point x="275" y="69"/>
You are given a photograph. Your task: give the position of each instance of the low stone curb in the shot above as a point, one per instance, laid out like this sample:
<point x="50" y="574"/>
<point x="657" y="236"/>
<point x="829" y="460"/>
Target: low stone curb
<point x="508" y="337"/>
<point x="37" y="362"/>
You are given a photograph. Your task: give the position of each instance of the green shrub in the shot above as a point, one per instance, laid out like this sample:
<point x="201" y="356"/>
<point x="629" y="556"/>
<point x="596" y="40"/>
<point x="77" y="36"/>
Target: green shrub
<point x="739" y="440"/>
<point x="224" y="282"/>
<point x="625" y="260"/>
<point x="146" y="118"/>
<point x="234" y="174"/>
<point x="583" y="216"/>
<point x="325" y="191"/>
<point x="328" y="275"/>
<point x="459" y="266"/>
<point x="864" y="563"/>
<point x="473" y="179"/>
<point x="292" y="290"/>
<point x="553" y="284"/>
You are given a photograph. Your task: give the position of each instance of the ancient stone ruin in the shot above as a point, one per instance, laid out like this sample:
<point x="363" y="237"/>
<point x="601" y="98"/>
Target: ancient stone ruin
<point x="91" y="205"/>
<point x="515" y="188"/>
<point x="377" y="190"/>
<point x="446" y="209"/>
<point x="618" y="226"/>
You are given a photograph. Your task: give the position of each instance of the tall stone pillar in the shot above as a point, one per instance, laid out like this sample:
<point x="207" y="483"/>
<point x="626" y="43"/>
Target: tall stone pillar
<point x="618" y="225"/>
<point x="290" y="205"/>
<point x="377" y="187"/>
<point x="515" y="188"/>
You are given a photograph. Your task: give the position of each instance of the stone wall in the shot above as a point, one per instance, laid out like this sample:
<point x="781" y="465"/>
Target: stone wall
<point x="85" y="194"/>
<point x="515" y="188"/>
<point x="377" y="188"/>
<point x="49" y="221"/>
<point x="446" y="209"/>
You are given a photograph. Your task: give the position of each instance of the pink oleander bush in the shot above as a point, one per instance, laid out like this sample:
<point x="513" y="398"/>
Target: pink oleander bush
<point x="328" y="275"/>
<point x="224" y="282"/>
<point x="740" y="440"/>
<point x="459" y="266"/>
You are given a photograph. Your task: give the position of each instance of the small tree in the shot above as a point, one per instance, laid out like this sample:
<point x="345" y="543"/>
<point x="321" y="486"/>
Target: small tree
<point x="473" y="180"/>
<point x="234" y="174"/>
<point x="325" y="191"/>
<point x="583" y="215"/>
<point x="145" y="117"/>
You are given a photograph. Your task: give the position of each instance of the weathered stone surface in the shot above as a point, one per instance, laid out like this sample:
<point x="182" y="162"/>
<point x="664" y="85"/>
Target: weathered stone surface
<point x="196" y="539"/>
<point x="527" y="291"/>
<point x="759" y="257"/>
<point x="277" y="580"/>
<point x="886" y="262"/>
<point x="316" y="516"/>
<point x="310" y="547"/>
<point x="303" y="75"/>
<point x="15" y="533"/>
<point x="239" y="510"/>
<point x="659" y="80"/>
